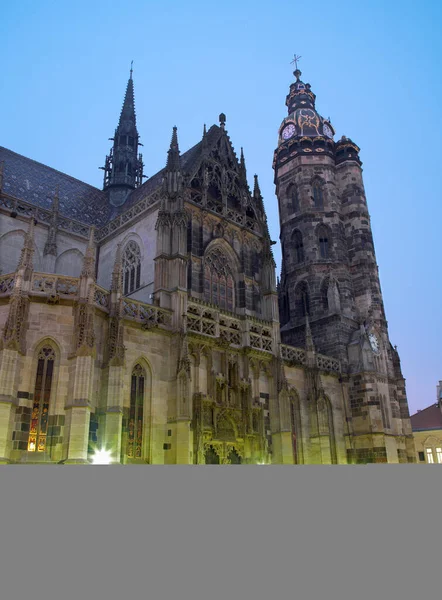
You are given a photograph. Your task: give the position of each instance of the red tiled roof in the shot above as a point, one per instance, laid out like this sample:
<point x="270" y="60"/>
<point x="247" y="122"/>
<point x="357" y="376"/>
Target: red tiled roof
<point x="428" y="418"/>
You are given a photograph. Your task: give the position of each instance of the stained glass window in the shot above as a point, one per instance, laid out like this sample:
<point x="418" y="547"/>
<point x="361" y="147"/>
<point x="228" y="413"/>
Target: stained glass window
<point x="131" y="267"/>
<point x="42" y="395"/>
<point x="219" y="287"/>
<point x="135" y="424"/>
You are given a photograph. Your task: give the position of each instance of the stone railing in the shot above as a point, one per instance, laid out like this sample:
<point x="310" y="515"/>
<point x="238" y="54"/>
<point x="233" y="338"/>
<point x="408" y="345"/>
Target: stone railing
<point x="206" y="319"/>
<point x="327" y="363"/>
<point x="20" y="207"/>
<point x="146" y="314"/>
<point x="102" y="298"/>
<point x="6" y="284"/>
<point x="293" y="355"/>
<point x="43" y="284"/>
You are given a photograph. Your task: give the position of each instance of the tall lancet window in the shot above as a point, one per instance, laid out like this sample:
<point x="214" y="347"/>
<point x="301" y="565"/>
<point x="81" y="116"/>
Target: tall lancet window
<point x="42" y="395"/>
<point x="323" y="241"/>
<point x="219" y="287"/>
<point x="318" y="196"/>
<point x="131" y="268"/>
<point x="135" y="424"/>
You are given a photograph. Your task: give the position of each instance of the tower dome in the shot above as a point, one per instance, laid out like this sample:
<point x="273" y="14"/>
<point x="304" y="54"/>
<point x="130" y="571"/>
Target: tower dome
<point x="303" y="120"/>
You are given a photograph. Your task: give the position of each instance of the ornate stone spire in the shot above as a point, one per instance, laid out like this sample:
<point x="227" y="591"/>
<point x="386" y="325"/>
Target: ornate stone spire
<point x="14" y="332"/>
<point x="173" y="167"/>
<point x="281" y="378"/>
<point x="25" y="263"/>
<point x="184" y="360"/>
<point x="123" y="170"/>
<point x="88" y="270"/>
<point x="242" y="166"/>
<point x="117" y="273"/>
<point x="51" y="242"/>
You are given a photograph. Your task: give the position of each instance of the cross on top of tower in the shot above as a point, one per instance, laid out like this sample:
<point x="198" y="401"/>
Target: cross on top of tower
<point x="295" y="60"/>
<point x="131" y="68"/>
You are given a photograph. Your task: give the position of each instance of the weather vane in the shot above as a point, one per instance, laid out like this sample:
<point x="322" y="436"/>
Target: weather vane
<point x="295" y="61"/>
<point x="131" y="68"/>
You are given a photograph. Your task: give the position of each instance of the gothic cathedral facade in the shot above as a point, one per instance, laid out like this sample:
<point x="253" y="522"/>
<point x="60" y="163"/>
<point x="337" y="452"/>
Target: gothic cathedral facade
<point x="145" y="318"/>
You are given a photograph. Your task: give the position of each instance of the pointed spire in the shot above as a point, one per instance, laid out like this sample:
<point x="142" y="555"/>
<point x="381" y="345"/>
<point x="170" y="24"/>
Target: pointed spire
<point x="117" y="273"/>
<point x="204" y="141"/>
<point x="89" y="257"/>
<point x="242" y="166"/>
<point x="256" y="189"/>
<point x="184" y="360"/>
<point x="173" y="155"/>
<point x="281" y="378"/>
<point x="309" y="345"/>
<point x="25" y="263"/>
<point x="51" y="242"/>
<point x="128" y="109"/>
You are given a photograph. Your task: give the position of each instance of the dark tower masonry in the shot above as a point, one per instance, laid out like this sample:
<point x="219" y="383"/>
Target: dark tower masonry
<point x="329" y="274"/>
<point x="123" y="170"/>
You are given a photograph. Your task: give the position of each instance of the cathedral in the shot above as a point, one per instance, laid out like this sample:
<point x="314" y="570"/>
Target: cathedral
<point x="145" y="319"/>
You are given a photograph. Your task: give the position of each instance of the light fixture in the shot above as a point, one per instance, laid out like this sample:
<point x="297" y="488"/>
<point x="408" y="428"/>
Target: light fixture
<point x="101" y="457"/>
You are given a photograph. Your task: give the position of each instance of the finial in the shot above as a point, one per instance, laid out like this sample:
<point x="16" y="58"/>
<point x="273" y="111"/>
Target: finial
<point x="204" y="131"/>
<point x="222" y="120"/>
<point x="256" y="188"/>
<point x="131" y="68"/>
<point x="242" y="164"/>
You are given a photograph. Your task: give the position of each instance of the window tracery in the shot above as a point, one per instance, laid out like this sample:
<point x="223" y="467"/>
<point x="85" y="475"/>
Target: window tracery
<point x="318" y="196"/>
<point x="135" y="425"/>
<point x="42" y="395"/>
<point x="219" y="287"/>
<point x="131" y="267"/>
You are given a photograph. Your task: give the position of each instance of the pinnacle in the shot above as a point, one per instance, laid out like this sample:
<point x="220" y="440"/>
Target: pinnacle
<point x="173" y="155"/>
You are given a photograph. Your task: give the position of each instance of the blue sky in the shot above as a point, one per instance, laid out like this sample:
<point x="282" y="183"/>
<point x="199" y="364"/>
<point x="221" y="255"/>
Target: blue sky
<point x="374" y="66"/>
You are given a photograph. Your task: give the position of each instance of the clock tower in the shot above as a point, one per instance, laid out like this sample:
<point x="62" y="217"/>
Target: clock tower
<point x="329" y="276"/>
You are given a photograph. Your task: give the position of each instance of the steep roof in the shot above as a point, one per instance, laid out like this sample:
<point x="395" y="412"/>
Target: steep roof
<point x="33" y="182"/>
<point x="36" y="183"/>
<point x="428" y="418"/>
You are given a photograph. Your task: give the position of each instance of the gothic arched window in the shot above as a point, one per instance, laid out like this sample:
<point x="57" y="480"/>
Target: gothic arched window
<point x="318" y="196"/>
<point x="323" y="241"/>
<point x="298" y="246"/>
<point x="302" y="301"/>
<point x="293" y="198"/>
<point x="131" y="267"/>
<point x="219" y="287"/>
<point x="42" y="395"/>
<point x="134" y="448"/>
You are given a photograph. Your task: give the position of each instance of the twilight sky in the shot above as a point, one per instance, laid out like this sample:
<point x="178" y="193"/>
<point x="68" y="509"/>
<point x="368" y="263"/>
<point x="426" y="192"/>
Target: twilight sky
<point x="374" y="67"/>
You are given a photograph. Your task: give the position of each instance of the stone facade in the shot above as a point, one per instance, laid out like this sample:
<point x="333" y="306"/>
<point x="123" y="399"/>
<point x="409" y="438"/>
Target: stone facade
<point x="144" y="318"/>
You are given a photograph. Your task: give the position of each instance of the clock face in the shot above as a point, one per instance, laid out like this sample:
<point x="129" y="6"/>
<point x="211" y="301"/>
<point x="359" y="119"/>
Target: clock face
<point x="374" y="343"/>
<point x="288" y="131"/>
<point x="327" y="131"/>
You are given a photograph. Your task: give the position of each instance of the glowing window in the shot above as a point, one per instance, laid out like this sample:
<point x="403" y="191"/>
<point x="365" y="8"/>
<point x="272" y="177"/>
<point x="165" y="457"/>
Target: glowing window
<point x="42" y="394"/>
<point x="430" y="458"/>
<point x="135" y="425"/>
<point x="439" y="455"/>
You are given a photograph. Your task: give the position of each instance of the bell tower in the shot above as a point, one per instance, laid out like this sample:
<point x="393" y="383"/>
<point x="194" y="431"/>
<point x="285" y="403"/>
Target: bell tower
<point x="329" y="275"/>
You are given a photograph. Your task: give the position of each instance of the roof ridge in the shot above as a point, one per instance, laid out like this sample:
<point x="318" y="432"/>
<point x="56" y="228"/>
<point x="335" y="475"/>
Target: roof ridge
<point x="51" y="169"/>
